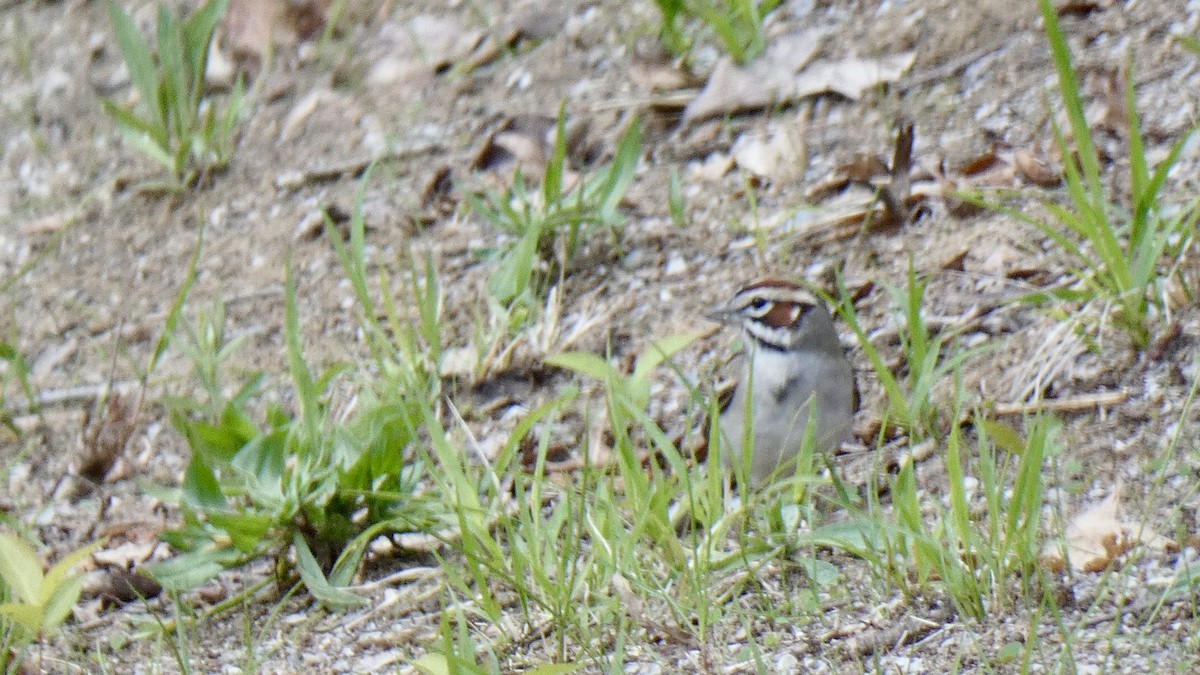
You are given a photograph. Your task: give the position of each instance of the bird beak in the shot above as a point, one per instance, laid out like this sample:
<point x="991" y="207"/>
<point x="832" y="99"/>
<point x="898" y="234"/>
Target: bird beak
<point x="721" y="313"/>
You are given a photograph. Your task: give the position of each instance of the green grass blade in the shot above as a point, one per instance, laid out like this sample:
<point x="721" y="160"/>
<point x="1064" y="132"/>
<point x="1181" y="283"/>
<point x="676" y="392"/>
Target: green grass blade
<point x="138" y="59"/>
<point x="620" y="174"/>
<point x="1069" y="87"/>
<point x="315" y="581"/>
<point x="553" y="176"/>
<point x="175" y="80"/>
<point x="176" y="310"/>
<point x="197" y="34"/>
<point x="302" y="379"/>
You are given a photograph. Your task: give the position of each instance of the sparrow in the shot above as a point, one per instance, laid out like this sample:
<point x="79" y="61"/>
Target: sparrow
<point x="793" y="370"/>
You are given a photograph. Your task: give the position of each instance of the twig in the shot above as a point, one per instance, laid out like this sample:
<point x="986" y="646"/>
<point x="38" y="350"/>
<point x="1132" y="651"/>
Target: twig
<point x="1081" y="403"/>
<point x="86" y="393"/>
<point x="293" y="179"/>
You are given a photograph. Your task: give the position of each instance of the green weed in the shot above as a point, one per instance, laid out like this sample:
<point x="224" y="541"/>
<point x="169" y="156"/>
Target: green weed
<point x="978" y="549"/>
<point x="1124" y="256"/>
<point x="177" y="125"/>
<point x="312" y="486"/>
<point x="737" y="24"/>
<point x="549" y="227"/>
<point x="928" y="360"/>
<point x="37" y="602"/>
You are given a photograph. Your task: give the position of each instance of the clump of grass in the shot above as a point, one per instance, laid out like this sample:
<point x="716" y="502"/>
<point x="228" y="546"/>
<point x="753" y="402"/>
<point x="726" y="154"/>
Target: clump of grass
<point x="983" y="542"/>
<point x="1124" y="257"/>
<point x="737" y="24"/>
<point x="175" y="123"/>
<point x="308" y="488"/>
<point x="549" y="226"/>
<point x="928" y="359"/>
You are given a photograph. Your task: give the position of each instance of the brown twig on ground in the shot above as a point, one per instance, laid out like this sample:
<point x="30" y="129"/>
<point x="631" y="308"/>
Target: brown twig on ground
<point x="1077" y="404"/>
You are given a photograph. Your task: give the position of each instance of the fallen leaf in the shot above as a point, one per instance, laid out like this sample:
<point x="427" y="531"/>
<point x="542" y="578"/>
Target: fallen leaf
<point x="252" y="28"/>
<point x="775" y="155"/>
<point x="853" y="76"/>
<point x="129" y="554"/>
<point x="521" y="141"/>
<point x="1036" y="169"/>
<point x="981" y="164"/>
<point x="860" y="170"/>
<point x="1080" y="7"/>
<point x="1097" y="536"/>
<point x="767" y="80"/>
<point x="105" y="436"/>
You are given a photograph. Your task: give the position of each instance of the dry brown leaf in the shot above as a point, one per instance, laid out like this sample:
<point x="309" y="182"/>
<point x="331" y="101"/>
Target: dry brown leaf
<point x="851" y="77"/>
<point x="105" y="436"/>
<point x="252" y="28"/>
<point x="1080" y="7"/>
<point x="523" y="140"/>
<point x="1034" y="167"/>
<point x="1095" y="537"/>
<point x="775" y="155"/>
<point x="767" y="80"/>
<point x="902" y="199"/>
<point x="981" y="164"/>
<point x="861" y="169"/>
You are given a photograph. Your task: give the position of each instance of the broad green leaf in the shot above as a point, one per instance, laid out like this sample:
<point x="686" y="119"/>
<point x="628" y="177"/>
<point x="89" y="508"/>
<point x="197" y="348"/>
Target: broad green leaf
<point x="217" y="443"/>
<point x="25" y="615"/>
<point x="583" y="363"/>
<point x="201" y="490"/>
<point x="190" y="570"/>
<point x="821" y="572"/>
<point x="138" y="59"/>
<point x="857" y="537"/>
<point x="62" y="570"/>
<point x="314" y="579"/>
<point x="59" y="603"/>
<point x="20" y="568"/>
<point x="247" y="531"/>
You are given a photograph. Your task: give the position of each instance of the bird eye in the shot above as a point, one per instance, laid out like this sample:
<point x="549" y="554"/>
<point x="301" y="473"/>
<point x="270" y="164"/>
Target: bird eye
<point x="760" y="305"/>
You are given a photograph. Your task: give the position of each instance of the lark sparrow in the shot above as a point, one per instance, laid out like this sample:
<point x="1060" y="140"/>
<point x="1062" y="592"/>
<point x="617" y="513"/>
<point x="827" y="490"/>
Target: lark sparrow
<point x="792" y="361"/>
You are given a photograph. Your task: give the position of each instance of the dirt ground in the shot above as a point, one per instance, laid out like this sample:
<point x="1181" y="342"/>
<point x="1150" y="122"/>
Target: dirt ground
<point x="97" y="265"/>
